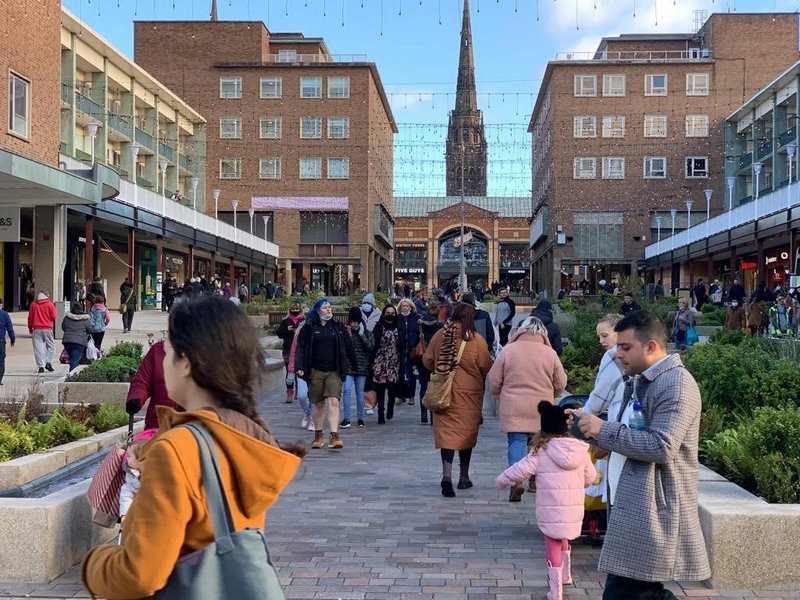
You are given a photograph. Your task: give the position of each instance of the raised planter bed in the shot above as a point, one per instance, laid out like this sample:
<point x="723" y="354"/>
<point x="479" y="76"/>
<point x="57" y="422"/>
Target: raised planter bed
<point x="85" y="392"/>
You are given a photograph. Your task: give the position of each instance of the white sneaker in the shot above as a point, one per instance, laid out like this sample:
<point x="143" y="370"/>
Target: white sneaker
<point x="370" y="411"/>
<point x="311" y="425"/>
<point x="305" y="422"/>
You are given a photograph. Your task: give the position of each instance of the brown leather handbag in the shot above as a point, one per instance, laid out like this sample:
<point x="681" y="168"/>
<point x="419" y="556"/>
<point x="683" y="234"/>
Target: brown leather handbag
<point x="419" y="350"/>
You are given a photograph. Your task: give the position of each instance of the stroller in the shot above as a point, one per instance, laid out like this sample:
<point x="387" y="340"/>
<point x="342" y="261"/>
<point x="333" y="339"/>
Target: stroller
<point x="595" y="515"/>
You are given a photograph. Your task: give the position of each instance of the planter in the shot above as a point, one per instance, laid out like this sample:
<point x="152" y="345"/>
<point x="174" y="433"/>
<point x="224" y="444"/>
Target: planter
<point x="85" y="392"/>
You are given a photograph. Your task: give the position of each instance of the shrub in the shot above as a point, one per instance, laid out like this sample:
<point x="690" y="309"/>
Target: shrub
<point x="127" y="349"/>
<point x="711" y="315"/>
<point x="108" y="369"/>
<point x="583" y="349"/>
<point x="108" y="417"/>
<point x="580" y="380"/>
<point x="731" y="337"/>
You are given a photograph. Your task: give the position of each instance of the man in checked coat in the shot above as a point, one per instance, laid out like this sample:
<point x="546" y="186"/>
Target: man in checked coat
<point x="654" y="531"/>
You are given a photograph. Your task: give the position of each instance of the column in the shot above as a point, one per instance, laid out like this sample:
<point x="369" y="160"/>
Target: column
<point x="760" y="267"/>
<point x="160" y="262"/>
<point x="191" y="262"/>
<point x="287" y="274"/>
<point x="552" y="289"/>
<point x="365" y="260"/>
<point x="212" y="267"/>
<point x="710" y="271"/>
<point x="433" y="253"/>
<point x="131" y="254"/>
<point x="89" y="250"/>
<point x="50" y="249"/>
<point x="733" y="265"/>
<point x="232" y="273"/>
<point x="249" y="279"/>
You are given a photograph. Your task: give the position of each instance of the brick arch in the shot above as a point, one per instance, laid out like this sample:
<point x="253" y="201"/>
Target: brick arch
<point x="480" y="230"/>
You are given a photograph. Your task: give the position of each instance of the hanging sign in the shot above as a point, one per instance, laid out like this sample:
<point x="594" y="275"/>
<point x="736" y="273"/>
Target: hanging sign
<point x="9" y="224"/>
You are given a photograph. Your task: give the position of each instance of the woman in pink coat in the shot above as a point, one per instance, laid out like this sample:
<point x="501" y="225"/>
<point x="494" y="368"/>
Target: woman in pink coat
<point x="526" y="371"/>
<point x="563" y="470"/>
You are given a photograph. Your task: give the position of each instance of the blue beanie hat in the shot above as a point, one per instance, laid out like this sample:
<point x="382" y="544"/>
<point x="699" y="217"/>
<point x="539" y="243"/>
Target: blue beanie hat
<point x="318" y="304"/>
<point x="369" y="299"/>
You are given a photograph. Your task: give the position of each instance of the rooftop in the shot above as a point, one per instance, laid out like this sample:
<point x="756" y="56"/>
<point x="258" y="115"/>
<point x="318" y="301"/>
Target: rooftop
<point x="420" y="206"/>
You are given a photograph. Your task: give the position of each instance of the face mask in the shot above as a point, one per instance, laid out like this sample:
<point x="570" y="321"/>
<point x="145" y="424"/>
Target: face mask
<point x="405" y="313"/>
<point x="294" y="312"/>
<point x="367" y="308"/>
<point x="326" y="317"/>
<point x="389" y="318"/>
<point x="734" y="304"/>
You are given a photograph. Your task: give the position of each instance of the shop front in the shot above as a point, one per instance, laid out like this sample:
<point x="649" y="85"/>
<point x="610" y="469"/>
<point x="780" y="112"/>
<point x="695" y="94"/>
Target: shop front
<point x="514" y="265"/>
<point x="148" y="283"/>
<point x="175" y="265"/>
<point x="476" y="258"/>
<point x="411" y="261"/>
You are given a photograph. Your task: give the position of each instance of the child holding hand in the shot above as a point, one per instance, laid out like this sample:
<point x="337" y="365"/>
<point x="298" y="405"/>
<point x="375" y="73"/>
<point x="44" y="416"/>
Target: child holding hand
<point x="563" y="470"/>
<point x="132" y="465"/>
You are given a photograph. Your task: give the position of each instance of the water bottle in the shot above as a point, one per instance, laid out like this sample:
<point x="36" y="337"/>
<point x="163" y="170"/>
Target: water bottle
<point x="637" y="419"/>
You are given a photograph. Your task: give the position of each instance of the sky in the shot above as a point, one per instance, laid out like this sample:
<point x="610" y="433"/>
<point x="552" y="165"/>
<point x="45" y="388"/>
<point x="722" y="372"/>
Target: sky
<point x="415" y="45"/>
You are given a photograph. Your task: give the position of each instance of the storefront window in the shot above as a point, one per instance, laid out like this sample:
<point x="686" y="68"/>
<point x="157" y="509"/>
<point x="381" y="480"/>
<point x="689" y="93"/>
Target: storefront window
<point x="476" y="249"/>
<point x="147" y="277"/>
<point x="175" y="265"/>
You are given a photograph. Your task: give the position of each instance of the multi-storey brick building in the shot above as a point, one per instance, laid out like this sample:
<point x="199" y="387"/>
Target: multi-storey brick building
<point x="299" y="142"/>
<point x="627" y="134"/>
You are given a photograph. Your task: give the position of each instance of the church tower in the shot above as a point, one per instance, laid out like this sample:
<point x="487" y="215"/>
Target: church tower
<point x="466" y="126"/>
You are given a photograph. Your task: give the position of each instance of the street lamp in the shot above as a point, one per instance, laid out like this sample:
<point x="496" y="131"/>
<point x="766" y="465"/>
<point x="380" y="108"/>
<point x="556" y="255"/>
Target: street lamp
<point x="91" y="129"/>
<point x="673" y="212"/>
<point x="658" y="226"/>
<point x="689" y="205"/>
<point x="215" y="195"/>
<point x="193" y="183"/>
<point x="462" y="273"/>
<point x="134" y="169"/>
<point x="252" y="212"/>
<point x="708" y="192"/>
<point x="235" y="204"/>
<point x="757" y="173"/>
<point x="162" y="163"/>
<point x="790" y="150"/>
<point x="266" y="220"/>
<point x="731" y="181"/>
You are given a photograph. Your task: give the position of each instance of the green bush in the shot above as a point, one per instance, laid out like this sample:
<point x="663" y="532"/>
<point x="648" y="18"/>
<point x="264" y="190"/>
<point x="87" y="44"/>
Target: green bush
<point x="580" y="380"/>
<point x="128" y="349"/>
<point x="107" y="417"/>
<point x="108" y="369"/>
<point x="711" y="315"/>
<point x="731" y="337"/>
<point x="583" y="350"/>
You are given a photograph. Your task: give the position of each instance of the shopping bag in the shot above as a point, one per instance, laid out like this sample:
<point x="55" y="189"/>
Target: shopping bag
<point x="691" y="336"/>
<point x="301" y="389"/>
<point x="92" y="353"/>
<point x="103" y="492"/>
<point x="64" y="358"/>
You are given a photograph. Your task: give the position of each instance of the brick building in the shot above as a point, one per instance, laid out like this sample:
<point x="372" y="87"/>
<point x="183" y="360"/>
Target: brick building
<point x="299" y="142"/>
<point x="627" y="134"/>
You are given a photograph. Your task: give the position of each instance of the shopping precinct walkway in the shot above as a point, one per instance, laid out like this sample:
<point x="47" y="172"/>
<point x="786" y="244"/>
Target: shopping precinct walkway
<point x="368" y="522"/>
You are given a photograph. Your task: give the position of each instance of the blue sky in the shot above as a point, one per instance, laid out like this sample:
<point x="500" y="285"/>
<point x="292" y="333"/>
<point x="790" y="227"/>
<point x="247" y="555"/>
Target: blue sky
<point x="415" y="45"/>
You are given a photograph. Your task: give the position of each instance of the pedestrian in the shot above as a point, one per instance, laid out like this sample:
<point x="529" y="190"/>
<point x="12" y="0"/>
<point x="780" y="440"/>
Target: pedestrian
<point x="736" y="292"/>
<point x="95" y="289"/>
<point x="369" y="315"/>
<point x="504" y="316"/>
<point x="127" y="304"/>
<point x="606" y="395"/>
<point x="527" y="370"/>
<point x="419" y="301"/>
<point x="563" y="469"/>
<point x="212" y="358"/>
<point x="242" y="293"/>
<point x="658" y="290"/>
<point x="323" y="359"/>
<point x="483" y="320"/>
<point x="41" y="318"/>
<point x="735" y="317"/>
<point x="445" y="306"/>
<point x="148" y="385"/>
<point x="408" y="329"/>
<point x="715" y="293"/>
<point x="429" y="324"/>
<point x="654" y="532"/>
<point x="226" y="291"/>
<point x="172" y="292"/>
<point x="77" y="328"/>
<point x="756" y="317"/>
<point x="684" y="319"/>
<point x="300" y="386"/>
<point x="699" y="294"/>
<point x="762" y="294"/>
<point x="780" y="318"/>
<point x="363" y="344"/>
<point x="386" y="362"/>
<point x="6" y="327"/>
<point x="628" y="304"/>
<point x="286" y="332"/>
<point x="456" y="427"/>
<point x="99" y="317"/>
<point x="544" y="312"/>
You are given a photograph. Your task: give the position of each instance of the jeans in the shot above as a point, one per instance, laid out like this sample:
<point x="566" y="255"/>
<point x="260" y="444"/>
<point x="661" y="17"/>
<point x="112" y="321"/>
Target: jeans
<point x="358" y="381"/>
<point x="127" y="319"/>
<point x="503" y="330"/>
<point x="385" y="411"/>
<point x="410" y="378"/>
<point x="424" y="380"/>
<point x="3" y="358"/>
<point x="75" y="352"/>
<point x="517" y="447"/>
<point x="618" y="588"/>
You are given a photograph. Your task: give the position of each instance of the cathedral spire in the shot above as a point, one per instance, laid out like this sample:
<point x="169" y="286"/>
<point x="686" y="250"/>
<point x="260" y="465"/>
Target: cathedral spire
<point x="214" y="16"/>
<point x="465" y="88"/>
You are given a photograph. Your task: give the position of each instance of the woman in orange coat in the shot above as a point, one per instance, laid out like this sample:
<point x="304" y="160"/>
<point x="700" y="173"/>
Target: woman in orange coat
<point x="456" y="427"/>
<point x="212" y="360"/>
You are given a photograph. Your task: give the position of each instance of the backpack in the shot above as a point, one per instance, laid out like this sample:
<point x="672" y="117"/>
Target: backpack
<point x="97" y="319"/>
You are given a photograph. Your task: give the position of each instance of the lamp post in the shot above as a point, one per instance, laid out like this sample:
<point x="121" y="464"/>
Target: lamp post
<point x="235" y="205"/>
<point x="163" y="165"/>
<point x="252" y="212"/>
<point x="91" y="129"/>
<point x="708" y="192"/>
<point x="266" y="220"/>
<point x="757" y="172"/>
<point x="135" y="165"/>
<point x="658" y="227"/>
<point x="790" y="150"/>
<point x="193" y="182"/>
<point x="674" y="213"/>
<point x="215" y="194"/>
<point x="462" y="272"/>
<point x="689" y="205"/>
<point x="731" y="181"/>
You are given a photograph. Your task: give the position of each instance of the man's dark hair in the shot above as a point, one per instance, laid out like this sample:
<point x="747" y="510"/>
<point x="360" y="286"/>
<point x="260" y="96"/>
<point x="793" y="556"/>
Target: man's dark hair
<point x="646" y="326"/>
<point x="628" y="295"/>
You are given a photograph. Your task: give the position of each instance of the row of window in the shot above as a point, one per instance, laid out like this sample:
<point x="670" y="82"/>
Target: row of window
<point x="697" y="84"/>
<point x="272" y="87"/>
<point x="613" y="126"/>
<point x="18" y="105"/>
<point x="654" y="167"/>
<point x="271" y="128"/>
<point x="270" y="168"/>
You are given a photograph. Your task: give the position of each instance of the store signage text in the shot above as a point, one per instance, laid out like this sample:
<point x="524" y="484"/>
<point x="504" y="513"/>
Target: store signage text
<point x="9" y="224"/>
<point x="409" y="270"/>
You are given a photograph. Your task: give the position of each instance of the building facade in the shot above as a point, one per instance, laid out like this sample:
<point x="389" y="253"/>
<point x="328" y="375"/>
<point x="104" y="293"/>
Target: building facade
<point x="624" y="136"/>
<point x="299" y="143"/>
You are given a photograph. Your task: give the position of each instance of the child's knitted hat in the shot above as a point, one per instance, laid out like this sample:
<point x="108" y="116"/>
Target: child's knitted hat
<point x="554" y="421"/>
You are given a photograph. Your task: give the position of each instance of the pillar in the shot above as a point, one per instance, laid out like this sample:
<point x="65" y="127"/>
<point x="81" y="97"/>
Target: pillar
<point x="760" y="267"/>
<point x="50" y="249"/>
<point x="365" y="261"/>
<point x="287" y="274"/>
<point x="433" y="253"/>
<point x="710" y="271"/>
<point x="213" y="266"/>
<point x="89" y="250"/>
<point x="232" y="273"/>
<point x="191" y="262"/>
<point x="131" y="254"/>
<point x="552" y="289"/>
<point x="249" y="279"/>
<point x="734" y="267"/>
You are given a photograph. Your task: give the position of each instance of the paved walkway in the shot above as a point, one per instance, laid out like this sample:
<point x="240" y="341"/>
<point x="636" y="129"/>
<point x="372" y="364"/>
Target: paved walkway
<point x="369" y="523"/>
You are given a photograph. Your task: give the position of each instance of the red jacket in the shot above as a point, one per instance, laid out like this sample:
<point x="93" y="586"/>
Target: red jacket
<point x="42" y="314"/>
<point x="148" y="383"/>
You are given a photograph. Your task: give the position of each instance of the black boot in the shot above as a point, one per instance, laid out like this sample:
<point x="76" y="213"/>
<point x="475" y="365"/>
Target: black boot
<point x="390" y="409"/>
<point x="381" y="410"/>
<point x="464" y="482"/>
<point x="447" y="489"/>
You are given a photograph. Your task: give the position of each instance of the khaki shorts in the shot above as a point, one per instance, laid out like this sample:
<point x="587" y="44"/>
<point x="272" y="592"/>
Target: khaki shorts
<point x="324" y="384"/>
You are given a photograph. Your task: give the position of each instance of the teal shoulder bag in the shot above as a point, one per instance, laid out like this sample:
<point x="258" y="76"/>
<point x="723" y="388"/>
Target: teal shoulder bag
<point x="237" y="563"/>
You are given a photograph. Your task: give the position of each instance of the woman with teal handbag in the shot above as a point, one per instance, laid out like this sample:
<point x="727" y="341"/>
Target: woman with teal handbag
<point x="194" y="529"/>
<point x="683" y="326"/>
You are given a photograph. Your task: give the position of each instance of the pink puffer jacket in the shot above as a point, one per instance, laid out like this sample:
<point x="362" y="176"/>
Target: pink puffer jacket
<point x="563" y="470"/>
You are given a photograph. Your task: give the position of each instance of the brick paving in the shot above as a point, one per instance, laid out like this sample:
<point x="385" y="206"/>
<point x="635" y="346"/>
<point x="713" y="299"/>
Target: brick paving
<point x="368" y="523"/>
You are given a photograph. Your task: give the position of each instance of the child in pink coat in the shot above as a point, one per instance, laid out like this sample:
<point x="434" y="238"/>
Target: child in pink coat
<point x="563" y="470"/>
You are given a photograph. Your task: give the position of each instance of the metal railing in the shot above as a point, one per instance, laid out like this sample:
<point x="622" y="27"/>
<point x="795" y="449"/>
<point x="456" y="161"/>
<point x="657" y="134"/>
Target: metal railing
<point x="157" y="204"/>
<point x="167" y="152"/>
<point x="66" y="93"/>
<point x="767" y="204"/>
<point x="120" y="124"/>
<point x="638" y="55"/>
<point x="145" y="139"/>
<point x="787" y="137"/>
<point x="745" y="160"/>
<point x="185" y="162"/>
<point x="89" y="107"/>
<point x="763" y="150"/>
<point x="316" y="58"/>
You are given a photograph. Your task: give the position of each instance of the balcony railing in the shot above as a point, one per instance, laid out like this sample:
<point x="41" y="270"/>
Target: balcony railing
<point x="316" y="58"/>
<point x="787" y="137"/>
<point x="155" y="203"/>
<point x="120" y="124"/>
<point x="638" y="55"/>
<point x="764" y="149"/>
<point x="167" y="152"/>
<point x="142" y="182"/>
<point x="145" y="139"/>
<point x="745" y="160"/>
<point x="185" y="162"/>
<point x="754" y="210"/>
<point x="66" y="93"/>
<point x="89" y="107"/>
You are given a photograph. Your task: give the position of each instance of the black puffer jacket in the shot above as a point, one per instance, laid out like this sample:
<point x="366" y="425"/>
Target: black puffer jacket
<point x="429" y="325"/>
<point x="363" y="343"/>
<point x="344" y="347"/>
<point x="545" y="315"/>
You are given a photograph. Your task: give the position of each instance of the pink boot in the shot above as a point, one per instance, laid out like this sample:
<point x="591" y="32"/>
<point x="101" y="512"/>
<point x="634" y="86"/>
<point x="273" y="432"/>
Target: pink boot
<point x="554" y="575"/>
<point x="566" y="566"/>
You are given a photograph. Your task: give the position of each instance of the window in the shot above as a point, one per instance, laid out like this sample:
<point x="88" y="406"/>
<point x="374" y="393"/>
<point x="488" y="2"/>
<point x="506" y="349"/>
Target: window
<point x="697" y="84"/>
<point x="311" y="87"/>
<point x="310" y="127"/>
<point x="323" y="227"/>
<point x="230" y="87"/>
<point x="655" y="85"/>
<point x="598" y="234"/>
<point x="586" y="85"/>
<point x="289" y="56"/>
<point x="696" y="125"/>
<point x="270" y="128"/>
<point x="583" y="167"/>
<point x="696" y="167"/>
<point x="585" y="127"/>
<point x="338" y="168"/>
<point x="269" y="168"/>
<point x="230" y="168"/>
<point x="230" y="128"/>
<point x="655" y="126"/>
<point x="18" y="105"/>
<point x="655" y="167"/>
<point x="613" y="126"/>
<point x="271" y="87"/>
<point x="613" y="167"/>
<point x="339" y="128"/>
<point x="338" y="87"/>
<point x="310" y="168"/>
<point x="613" y="85"/>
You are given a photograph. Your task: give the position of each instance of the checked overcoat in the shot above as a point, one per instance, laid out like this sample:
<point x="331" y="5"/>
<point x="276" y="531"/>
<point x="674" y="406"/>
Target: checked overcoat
<point x="654" y="533"/>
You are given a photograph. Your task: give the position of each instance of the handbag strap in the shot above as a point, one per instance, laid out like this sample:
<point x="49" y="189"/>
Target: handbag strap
<point x="218" y="506"/>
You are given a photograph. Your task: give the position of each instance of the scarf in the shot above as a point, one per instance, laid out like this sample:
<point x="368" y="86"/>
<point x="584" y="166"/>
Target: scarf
<point x="448" y="351"/>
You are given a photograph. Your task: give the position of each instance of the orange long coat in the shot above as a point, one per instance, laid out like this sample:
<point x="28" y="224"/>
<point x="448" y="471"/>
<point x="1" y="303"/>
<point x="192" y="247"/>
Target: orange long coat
<point x="456" y="428"/>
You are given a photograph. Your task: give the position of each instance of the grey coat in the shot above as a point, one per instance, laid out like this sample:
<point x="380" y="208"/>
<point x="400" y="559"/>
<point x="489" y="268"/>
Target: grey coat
<point x="654" y="532"/>
<point x="77" y="329"/>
